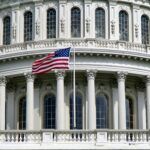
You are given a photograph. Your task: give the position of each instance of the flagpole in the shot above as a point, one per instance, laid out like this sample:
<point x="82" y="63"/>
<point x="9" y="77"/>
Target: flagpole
<point x="74" y="89"/>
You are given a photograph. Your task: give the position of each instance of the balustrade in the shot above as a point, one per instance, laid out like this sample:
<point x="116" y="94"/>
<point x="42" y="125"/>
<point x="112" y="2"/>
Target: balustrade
<point x="75" y="136"/>
<point x="78" y="43"/>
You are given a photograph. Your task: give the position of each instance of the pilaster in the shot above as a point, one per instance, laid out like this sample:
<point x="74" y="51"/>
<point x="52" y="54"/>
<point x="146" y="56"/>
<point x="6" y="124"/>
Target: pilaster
<point x="112" y="21"/>
<point x="136" y="26"/>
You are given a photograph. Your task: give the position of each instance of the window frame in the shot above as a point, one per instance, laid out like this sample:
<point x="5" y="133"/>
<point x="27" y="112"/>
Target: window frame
<point x="103" y="23"/>
<point x="28" y="35"/>
<point x="122" y="33"/>
<point x="79" y="23"/>
<point x="6" y="32"/>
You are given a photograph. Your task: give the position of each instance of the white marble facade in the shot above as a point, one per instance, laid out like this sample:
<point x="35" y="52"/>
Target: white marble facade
<point x="106" y="66"/>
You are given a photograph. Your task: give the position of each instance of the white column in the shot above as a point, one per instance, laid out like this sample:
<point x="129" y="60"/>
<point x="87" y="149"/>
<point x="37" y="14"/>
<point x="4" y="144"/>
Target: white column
<point x="115" y="107"/>
<point x="148" y="100"/>
<point x="30" y="102"/>
<point x="122" y="100"/>
<point x="2" y="102"/>
<point x="141" y="110"/>
<point x="60" y="104"/>
<point x="10" y="112"/>
<point x="37" y="125"/>
<point x="91" y="100"/>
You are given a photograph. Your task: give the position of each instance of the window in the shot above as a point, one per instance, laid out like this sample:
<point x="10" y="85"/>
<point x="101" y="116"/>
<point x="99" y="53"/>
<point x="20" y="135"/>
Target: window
<point x="6" y="31"/>
<point x="145" y="29"/>
<point x="100" y="23"/>
<point x="78" y="111"/>
<point x="129" y="113"/>
<point x="49" y="111"/>
<point x="51" y="23"/>
<point x="101" y="112"/>
<point x="22" y="113"/>
<point x="123" y="26"/>
<point x="28" y="26"/>
<point x="75" y="22"/>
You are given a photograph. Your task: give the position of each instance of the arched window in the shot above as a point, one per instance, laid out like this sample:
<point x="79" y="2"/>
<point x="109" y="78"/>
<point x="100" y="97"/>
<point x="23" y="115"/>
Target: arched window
<point x="78" y="111"/>
<point x="75" y="22"/>
<point x="49" y="114"/>
<point x="28" y="26"/>
<point x="51" y="23"/>
<point x="129" y="113"/>
<point x="6" y="30"/>
<point x="100" y="22"/>
<point x="101" y="112"/>
<point x="22" y="113"/>
<point x="145" y="29"/>
<point x="123" y="26"/>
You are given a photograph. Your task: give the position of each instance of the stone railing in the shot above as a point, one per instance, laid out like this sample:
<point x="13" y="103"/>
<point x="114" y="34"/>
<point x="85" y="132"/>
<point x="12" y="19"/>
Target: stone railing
<point x="75" y="136"/>
<point x="81" y="45"/>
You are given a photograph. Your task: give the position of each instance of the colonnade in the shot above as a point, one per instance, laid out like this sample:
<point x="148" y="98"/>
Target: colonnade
<point x="60" y="103"/>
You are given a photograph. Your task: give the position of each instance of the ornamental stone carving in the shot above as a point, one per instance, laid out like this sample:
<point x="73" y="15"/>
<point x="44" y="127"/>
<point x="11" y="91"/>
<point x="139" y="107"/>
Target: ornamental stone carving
<point x="14" y="31"/>
<point x="30" y="77"/>
<point x="60" y="74"/>
<point x="3" y="81"/>
<point x="91" y="74"/>
<point x="87" y="25"/>
<point x="148" y="79"/>
<point x="62" y="23"/>
<point x="113" y="27"/>
<point x="136" y="30"/>
<point x="122" y="75"/>
<point x="37" y="28"/>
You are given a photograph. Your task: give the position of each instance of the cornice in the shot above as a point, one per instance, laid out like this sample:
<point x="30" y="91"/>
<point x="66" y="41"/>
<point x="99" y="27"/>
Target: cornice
<point x="83" y="47"/>
<point x="13" y="3"/>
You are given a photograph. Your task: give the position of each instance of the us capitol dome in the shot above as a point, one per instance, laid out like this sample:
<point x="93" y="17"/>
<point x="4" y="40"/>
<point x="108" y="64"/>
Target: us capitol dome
<point x="110" y="41"/>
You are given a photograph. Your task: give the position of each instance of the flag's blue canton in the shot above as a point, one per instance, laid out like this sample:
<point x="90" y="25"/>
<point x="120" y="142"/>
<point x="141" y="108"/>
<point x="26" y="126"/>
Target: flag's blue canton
<point x="62" y="53"/>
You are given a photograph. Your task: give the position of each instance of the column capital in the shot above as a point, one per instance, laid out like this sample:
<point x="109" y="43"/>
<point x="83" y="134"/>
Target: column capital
<point x="60" y="74"/>
<point x="148" y="79"/>
<point x="3" y="80"/>
<point x="91" y="74"/>
<point x="29" y="77"/>
<point x="122" y="75"/>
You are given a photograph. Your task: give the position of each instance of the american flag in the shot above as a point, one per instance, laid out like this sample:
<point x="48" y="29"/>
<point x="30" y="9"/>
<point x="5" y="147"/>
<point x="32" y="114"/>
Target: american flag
<point x="55" y="60"/>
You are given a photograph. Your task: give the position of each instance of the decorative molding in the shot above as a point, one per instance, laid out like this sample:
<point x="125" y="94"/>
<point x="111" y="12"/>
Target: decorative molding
<point x="122" y="75"/>
<point x="60" y="74"/>
<point x="136" y="30"/>
<point x="3" y="81"/>
<point x="30" y="77"/>
<point x="87" y="22"/>
<point x="148" y="79"/>
<point x="14" y="31"/>
<point x="91" y="74"/>
<point x="112" y="27"/>
<point x="62" y="24"/>
<point x="37" y="28"/>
